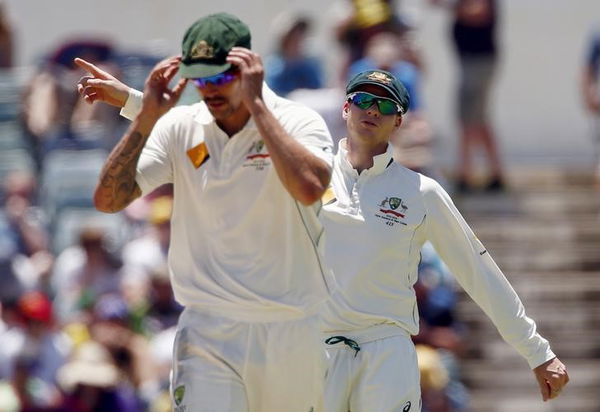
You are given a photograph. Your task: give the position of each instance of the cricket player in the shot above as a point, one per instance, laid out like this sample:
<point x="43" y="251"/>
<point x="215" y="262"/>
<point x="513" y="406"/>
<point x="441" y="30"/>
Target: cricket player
<point x="248" y="169"/>
<point x="375" y="226"/>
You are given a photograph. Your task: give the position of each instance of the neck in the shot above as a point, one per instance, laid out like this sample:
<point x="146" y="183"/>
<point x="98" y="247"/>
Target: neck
<point x="360" y="154"/>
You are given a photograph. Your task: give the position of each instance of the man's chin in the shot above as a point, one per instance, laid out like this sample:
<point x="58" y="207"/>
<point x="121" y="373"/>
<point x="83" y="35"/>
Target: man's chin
<point x="219" y="111"/>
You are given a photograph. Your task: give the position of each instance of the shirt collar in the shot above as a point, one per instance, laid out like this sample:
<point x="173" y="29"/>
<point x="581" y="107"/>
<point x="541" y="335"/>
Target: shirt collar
<point x="204" y="116"/>
<point x="380" y="162"/>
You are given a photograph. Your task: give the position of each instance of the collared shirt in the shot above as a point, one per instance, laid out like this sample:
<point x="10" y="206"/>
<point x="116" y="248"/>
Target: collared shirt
<point x="374" y="231"/>
<point x="241" y="245"/>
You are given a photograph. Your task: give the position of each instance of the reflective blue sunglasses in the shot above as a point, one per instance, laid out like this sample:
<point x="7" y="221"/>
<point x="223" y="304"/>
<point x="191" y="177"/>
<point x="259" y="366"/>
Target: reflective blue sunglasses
<point x="364" y="100"/>
<point x="216" y="80"/>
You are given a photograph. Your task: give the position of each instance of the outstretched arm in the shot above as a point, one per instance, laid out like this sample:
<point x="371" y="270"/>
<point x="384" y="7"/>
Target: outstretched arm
<point x="117" y="186"/>
<point x="481" y="278"/>
<point x="304" y="175"/>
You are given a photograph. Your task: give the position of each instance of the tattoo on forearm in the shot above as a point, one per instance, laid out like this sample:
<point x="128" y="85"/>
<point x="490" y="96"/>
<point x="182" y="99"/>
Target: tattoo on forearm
<point x="117" y="184"/>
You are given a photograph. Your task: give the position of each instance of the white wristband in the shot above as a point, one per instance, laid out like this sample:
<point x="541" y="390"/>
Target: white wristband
<point x="133" y="104"/>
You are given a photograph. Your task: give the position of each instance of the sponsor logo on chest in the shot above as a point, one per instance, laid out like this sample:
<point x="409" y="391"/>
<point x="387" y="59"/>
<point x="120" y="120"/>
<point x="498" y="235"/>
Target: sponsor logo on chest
<point x="257" y="156"/>
<point x="392" y="210"/>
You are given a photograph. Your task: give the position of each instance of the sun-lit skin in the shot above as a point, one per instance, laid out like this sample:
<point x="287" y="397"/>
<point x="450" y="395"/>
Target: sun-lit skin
<point x="369" y="126"/>
<point x="368" y="130"/>
<point x="225" y="104"/>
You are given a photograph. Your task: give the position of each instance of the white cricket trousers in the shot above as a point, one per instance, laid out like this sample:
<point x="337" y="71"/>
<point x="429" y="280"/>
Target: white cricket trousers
<point x="383" y="376"/>
<point x="226" y="365"/>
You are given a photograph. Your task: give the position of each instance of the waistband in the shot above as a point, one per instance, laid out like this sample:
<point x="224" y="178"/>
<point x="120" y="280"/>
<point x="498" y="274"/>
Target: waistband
<point x="256" y="314"/>
<point x="381" y="331"/>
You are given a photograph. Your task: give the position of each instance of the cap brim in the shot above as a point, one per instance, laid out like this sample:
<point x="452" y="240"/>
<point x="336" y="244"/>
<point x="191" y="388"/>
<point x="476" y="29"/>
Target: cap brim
<point x="194" y="71"/>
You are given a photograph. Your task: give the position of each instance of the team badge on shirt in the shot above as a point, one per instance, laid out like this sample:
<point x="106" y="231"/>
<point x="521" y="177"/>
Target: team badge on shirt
<point x="392" y="210"/>
<point x="178" y="395"/>
<point x="257" y="156"/>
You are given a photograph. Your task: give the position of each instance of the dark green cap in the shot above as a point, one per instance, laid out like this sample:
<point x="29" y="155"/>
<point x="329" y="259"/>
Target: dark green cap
<point x="208" y="41"/>
<point x="385" y="80"/>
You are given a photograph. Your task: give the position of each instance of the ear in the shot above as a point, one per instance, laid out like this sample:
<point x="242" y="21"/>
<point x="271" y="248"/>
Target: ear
<point x="398" y="120"/>
<point x="345" y="110"/>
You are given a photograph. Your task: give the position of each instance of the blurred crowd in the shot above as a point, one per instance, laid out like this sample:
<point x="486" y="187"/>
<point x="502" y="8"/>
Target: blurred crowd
<point x="87" y="312"/>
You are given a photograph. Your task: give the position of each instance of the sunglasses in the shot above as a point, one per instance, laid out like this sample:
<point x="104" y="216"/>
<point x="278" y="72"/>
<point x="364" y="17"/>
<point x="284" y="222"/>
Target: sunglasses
<point x="216" y="80"/>
<point x="364" y="100"/>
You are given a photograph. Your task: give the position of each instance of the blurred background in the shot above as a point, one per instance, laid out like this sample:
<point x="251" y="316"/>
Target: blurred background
<point x="505" y="114"/>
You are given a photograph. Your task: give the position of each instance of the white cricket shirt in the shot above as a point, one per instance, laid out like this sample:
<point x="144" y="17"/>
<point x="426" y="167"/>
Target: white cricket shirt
<point x="374" y="231"/>
<point x="241" y="245"/>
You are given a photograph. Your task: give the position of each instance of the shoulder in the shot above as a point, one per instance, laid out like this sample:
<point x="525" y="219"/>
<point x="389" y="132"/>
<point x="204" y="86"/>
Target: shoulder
<point x="181" y="119"/>
<point x="408" y="177"/>
<point x="185" y="112"/>
<point x="429" y="185"/>
<point x="417" y="182"/>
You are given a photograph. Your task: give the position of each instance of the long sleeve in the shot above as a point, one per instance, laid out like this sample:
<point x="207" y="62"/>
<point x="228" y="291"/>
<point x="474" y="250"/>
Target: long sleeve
<point x="479" y="275"/>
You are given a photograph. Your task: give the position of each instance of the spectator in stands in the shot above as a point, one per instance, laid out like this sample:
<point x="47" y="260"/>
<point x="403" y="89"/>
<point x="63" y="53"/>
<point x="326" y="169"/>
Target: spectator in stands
<point x="164" y="310"/>
<point x="111" y="326"/>
<point x="84" y="272"/>
<point x="25" y="262"/>
<point x="23" y="217"/>
<point x="91" y="381"/>
<point x="290" y="68"/>
<point x="148" y="252"/>
<point x="54" y="115"/>
<point x="357" y="21"/>
<point x="474" y="36"/>
<point x="33" y="351"/>
<point x="439" y="331"/>
<point x="590" y="90"/>
<point x="434" y="380"/>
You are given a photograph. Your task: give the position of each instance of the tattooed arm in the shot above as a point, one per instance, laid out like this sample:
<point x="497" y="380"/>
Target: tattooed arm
<point x="117" y="186"/>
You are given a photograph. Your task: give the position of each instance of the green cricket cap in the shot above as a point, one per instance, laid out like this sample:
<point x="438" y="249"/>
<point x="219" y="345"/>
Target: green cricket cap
<point x="385" y="80"/>
<point x="207" y="43"/>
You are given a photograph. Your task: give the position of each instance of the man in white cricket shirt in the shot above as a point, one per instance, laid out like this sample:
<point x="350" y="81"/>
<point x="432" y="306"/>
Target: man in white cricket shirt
<point x="375" y="226"/>
<point x="248" y="169"/>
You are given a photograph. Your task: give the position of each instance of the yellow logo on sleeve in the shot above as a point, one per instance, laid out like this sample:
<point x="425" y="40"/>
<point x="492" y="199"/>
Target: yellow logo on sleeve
<point x="328" y="196"/>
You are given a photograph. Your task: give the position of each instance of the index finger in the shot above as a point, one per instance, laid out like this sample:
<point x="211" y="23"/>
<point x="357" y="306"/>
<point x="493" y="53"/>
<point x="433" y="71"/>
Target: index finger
<point x="170" y="68"/>
<point x="91" y="68"/>
<point x="171" y="72"/>
<point x="240" y="49"/>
